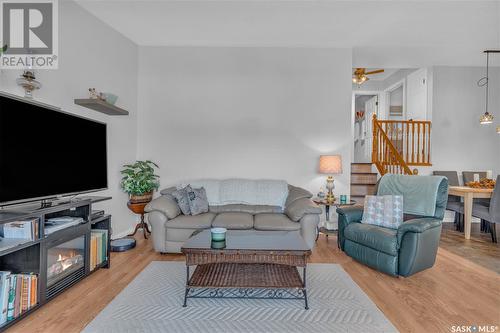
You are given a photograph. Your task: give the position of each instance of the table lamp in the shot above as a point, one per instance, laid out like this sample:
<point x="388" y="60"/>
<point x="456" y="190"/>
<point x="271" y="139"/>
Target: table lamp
<point x="330" y="165"/>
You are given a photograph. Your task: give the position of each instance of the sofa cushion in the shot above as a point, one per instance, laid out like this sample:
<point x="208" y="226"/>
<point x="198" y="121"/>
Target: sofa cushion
<point x="268" y="221"/>
<point x="295" y="193"/>
<point x="165" y="204"/>
<point x="233" y="220"/>
<point x="297" y="209"/>
<point x="202" y="221"/>
<point x="253" y="192"/>
<point x="375" y="237"/>
<point x="168" y="190"/>
<point x="251" y="209"/>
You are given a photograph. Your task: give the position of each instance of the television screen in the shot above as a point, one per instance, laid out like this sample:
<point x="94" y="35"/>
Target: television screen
<point x="45" y="153"/>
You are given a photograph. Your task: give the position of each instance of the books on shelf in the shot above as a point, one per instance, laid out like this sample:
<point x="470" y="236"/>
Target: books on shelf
<point x="18" y="294"/>
<point x="23" y="229"/>
<point x="4" y="295"/>
<point x="98" y="247"/>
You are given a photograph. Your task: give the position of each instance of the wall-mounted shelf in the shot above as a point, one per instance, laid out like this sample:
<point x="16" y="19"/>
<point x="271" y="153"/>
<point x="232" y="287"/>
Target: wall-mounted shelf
<point x="101" y="106"/>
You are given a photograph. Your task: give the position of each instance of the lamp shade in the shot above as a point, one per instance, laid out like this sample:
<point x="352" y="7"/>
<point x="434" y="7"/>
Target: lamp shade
<point x="330" y="164"/>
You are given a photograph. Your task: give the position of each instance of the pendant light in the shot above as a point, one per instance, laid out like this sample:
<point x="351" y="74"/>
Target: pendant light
<point x="486" y="118"/>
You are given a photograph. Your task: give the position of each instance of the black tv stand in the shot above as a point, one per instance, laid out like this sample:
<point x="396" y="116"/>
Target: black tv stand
<point x="33" y="255"/>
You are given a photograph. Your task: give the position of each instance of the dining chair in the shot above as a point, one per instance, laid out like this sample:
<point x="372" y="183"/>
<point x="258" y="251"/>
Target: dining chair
<point x="468" y="176"/>
<point x="454" y="204"/>
<point x="490" y="214"/>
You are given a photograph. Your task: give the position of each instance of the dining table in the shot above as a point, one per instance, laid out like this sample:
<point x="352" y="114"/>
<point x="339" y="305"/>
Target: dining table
<point x="469" y="194"/>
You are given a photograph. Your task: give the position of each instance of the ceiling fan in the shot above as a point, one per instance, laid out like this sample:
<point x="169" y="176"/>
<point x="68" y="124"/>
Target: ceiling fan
<point x="360" y="75"/>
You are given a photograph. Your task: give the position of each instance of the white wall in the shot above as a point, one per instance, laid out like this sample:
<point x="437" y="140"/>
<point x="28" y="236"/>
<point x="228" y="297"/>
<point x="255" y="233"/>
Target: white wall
<point x="459" y="142"/>
<point x="93" y="55"/>
<point x="245" y="112"/>
<point x="396" y="97"/>
<point x="416" y="95"/>
<point x="397" y="77"/>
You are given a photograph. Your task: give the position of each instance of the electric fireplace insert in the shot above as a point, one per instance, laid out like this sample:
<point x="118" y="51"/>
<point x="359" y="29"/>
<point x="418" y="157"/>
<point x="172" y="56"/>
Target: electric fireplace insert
<point x="65" y="264"/>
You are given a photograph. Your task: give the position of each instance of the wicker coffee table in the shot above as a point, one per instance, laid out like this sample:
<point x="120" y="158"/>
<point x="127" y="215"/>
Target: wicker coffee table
<point x="253" y="264"/>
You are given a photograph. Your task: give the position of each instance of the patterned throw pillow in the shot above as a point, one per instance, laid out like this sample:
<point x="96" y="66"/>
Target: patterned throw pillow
<point x="384" y="210"/>
<point x="197" y="198"/>
<point x="181" y="197"/>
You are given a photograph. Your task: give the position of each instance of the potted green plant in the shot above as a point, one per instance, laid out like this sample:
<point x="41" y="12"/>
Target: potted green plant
<point x="139" y="180"/>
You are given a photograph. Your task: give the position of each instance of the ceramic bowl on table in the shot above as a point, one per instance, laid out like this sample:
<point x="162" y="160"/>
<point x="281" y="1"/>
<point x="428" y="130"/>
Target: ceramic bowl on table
<point x="218" y="234"/>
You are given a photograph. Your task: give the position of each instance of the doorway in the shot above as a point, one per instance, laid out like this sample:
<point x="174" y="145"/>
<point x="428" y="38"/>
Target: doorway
<point x="365" y="105"/>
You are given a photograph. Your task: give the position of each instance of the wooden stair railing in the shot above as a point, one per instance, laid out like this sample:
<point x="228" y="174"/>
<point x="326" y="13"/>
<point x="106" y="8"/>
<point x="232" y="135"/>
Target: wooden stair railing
<point x="397" y="145"/>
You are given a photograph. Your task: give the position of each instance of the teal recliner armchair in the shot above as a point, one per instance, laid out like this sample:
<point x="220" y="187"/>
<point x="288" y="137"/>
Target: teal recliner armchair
<point x="413" y="246"/>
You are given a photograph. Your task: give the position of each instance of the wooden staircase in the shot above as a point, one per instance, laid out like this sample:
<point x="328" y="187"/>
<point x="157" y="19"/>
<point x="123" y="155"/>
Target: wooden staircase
<point x="363" y="181"/>
<point x="399" y="144"/>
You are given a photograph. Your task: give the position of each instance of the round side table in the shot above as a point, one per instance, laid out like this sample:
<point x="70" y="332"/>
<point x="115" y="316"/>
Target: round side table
<point x="138" y="208"/>
<point x="336" y="203"/>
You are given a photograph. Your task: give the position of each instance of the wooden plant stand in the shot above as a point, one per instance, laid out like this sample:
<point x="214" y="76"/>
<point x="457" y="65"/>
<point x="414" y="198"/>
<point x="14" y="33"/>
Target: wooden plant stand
<point x="138" y="208"/>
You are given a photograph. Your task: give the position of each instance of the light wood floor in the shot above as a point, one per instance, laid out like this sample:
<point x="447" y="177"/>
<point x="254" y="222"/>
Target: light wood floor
<point x="454" y="292"/>
<point x="478" y="249"/>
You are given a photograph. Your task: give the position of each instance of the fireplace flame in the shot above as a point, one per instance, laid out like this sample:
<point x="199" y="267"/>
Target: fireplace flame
<point x="66" y="261"/>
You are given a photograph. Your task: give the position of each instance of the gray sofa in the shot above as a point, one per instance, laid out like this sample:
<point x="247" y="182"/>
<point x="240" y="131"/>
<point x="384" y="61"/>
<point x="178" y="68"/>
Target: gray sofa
<point x="170" y="228"/>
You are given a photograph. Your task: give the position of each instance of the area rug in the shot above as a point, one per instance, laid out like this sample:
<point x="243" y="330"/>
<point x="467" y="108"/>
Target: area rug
<point x="152" y="302"/>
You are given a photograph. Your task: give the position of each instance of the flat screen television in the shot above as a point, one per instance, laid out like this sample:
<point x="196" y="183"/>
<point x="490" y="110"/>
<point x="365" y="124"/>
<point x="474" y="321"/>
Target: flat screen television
<point x="46" y="153"/>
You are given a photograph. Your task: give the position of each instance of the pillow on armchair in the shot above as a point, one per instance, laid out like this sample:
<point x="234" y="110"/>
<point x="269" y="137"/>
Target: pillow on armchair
<point x="383" y="210"/>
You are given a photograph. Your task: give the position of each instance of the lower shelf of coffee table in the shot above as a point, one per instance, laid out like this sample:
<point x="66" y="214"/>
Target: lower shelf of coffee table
<point x="233" y="275"/>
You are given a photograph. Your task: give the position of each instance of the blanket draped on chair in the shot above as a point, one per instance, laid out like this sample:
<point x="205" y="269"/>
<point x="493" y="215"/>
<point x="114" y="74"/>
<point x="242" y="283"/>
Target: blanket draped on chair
<point x="419" y="192"/>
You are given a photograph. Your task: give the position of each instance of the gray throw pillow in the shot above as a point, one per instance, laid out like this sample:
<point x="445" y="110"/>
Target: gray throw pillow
<point x="181" y="196"/>
<point x="197" y="198"/>
<point x="383" y="210"/>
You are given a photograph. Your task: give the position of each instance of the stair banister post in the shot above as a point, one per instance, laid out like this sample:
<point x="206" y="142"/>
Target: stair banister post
<point x="374" y="141"/>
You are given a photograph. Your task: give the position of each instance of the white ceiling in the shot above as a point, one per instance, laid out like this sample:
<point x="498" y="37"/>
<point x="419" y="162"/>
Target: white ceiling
<point x="393" y="33"/>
